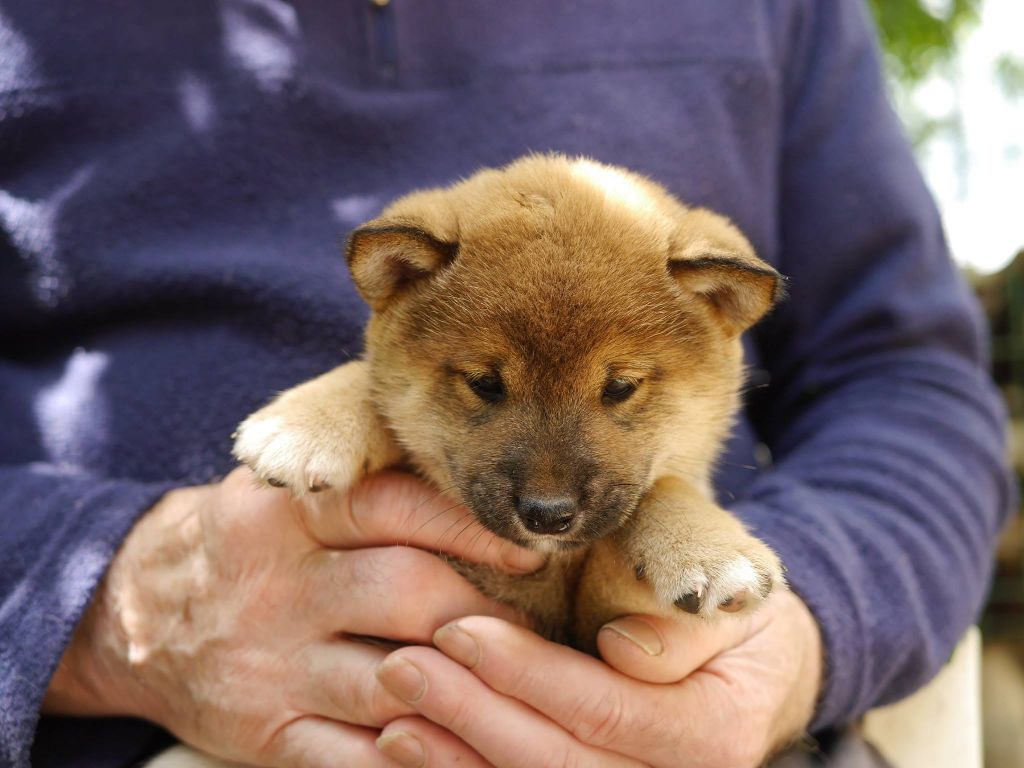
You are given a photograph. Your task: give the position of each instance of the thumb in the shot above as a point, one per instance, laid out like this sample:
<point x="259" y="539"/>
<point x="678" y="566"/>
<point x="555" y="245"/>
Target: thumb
<point x="656" y="649"/>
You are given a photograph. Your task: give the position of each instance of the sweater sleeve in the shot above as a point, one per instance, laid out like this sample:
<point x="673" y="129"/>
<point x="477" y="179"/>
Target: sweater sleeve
<point x="890" y="480"/>
<point x="59" y="530"/>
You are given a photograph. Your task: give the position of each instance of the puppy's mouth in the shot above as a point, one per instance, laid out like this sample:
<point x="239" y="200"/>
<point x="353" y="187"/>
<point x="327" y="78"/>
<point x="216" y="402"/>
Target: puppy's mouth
<point x="553" y="542"/>
<point x="589" y="526"/>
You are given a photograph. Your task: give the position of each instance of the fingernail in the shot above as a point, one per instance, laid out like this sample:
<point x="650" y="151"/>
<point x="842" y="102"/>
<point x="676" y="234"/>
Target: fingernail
<point x="638" y="632"/>
<point x="403" y="679"/>
<point x="405" y="749"/>
<point x="458" y="644"/>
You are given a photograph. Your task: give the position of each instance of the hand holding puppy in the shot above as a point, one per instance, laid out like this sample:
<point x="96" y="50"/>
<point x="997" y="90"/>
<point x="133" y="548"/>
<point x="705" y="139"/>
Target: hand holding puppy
<point x="226" y="616"/>
<point x="672" y="692"/>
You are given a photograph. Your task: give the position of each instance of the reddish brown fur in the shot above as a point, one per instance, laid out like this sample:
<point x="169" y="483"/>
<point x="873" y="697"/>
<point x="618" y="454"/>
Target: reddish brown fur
<point x="558" y="275"/>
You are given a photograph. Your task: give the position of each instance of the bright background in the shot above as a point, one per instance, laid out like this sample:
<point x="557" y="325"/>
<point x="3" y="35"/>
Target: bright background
<point x="957" y="74"/>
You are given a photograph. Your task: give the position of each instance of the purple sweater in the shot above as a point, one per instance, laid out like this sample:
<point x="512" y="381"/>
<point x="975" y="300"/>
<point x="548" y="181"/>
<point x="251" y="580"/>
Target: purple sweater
<point x="175" y="178"/>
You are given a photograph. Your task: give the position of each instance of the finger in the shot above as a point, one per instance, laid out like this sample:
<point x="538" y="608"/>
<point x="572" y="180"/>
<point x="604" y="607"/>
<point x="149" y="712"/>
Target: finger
<point x="398" y="508"/>
<point x="596" y="704"/>
<point x="341" y="684"/>
<point x="415" y="741"/>
<point x="665" y="650"/>
<point x="311" y="742"/>
<point x="398" y="593"/>
<point x="504" y="731"/>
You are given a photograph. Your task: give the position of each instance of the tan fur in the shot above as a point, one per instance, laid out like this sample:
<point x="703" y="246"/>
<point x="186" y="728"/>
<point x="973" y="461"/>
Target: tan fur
<point x="559" y="273"/>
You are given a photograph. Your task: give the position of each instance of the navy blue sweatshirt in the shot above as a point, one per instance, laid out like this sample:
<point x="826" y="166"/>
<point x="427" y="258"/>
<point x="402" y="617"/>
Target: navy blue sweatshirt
<point x="175" y="179"/>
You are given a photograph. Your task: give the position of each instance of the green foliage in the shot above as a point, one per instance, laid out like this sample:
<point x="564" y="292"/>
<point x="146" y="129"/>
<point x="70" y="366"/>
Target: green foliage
<point x="1010" y="75"/>
<point x="919" y="35"/>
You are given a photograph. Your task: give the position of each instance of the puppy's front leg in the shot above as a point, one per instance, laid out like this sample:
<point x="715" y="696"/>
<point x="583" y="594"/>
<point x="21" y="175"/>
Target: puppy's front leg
<point x="679" y="552"/>
<point x="695" y="555"/>
<point x="324" y="433"/>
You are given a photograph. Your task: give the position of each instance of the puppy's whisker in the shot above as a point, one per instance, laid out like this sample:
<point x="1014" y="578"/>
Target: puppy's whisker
<point x="465" y="528"/>
<point x="431" y="497"/>
<point x="434" y="517"/>
<point x="441" y="539"/>
<point x="487" y="546"/>
<point x="475" y="538"/>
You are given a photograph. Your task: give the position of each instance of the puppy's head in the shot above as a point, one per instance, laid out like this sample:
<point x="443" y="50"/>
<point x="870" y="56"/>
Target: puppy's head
<point x="549" y="338"/>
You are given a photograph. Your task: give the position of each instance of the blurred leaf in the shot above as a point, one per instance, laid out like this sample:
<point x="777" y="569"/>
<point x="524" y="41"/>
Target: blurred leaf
<point x="1009" y="72"/>
<point x="918" y="35"/>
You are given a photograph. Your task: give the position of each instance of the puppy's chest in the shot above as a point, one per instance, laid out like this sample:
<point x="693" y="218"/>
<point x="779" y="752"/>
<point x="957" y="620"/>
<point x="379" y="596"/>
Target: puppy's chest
<point x="546" y="596"/>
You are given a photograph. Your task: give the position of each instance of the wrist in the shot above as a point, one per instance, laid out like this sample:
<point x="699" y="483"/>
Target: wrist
<point x="103" y="670"/>
<point x="799" y="707"/>
<point x="91" y="679"/>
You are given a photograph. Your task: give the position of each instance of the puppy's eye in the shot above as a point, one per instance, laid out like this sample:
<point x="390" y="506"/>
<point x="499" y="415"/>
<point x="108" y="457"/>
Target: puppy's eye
<point x="618" y="390"/>
<point x="489" y="387"/>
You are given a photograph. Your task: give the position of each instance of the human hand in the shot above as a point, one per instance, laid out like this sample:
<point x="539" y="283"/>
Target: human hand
<point x="227" y="615"/>
<point x="673" y="692"/>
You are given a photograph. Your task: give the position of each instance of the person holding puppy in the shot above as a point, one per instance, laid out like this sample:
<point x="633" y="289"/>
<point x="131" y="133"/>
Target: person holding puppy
<point x="169" y="207"/>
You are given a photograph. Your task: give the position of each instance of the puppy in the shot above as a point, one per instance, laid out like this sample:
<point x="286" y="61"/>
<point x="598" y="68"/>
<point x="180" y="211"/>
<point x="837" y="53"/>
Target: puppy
<point x="556" y="344"/>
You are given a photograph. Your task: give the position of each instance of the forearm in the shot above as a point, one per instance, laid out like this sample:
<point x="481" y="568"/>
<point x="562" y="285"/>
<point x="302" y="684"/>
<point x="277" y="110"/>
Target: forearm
<point x="884" y="505"/>
<point x="97" y="675"/>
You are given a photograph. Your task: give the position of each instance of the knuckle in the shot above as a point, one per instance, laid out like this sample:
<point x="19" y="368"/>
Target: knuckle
<point x="460" y="715"/>
<point x="515" y="681"/>
<point x="599" y="720"/>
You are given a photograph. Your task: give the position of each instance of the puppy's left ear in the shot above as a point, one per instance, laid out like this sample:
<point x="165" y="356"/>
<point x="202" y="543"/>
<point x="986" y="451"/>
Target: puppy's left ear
<point x="389" y="255"/>
<point x="712" y="260"/>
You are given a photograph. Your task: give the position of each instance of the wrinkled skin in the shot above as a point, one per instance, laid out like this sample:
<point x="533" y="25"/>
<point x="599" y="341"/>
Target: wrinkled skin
<point x="226" y="616"/>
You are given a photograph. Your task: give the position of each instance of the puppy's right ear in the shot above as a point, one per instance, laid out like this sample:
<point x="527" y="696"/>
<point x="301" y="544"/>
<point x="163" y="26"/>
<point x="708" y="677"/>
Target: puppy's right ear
<point x="386" y="256"/>
<point x="714" y="262"/>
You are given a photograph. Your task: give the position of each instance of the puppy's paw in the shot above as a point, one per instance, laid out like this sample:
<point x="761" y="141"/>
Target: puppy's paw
<point x="287" y="445"/>
<point x="732" y="573"/>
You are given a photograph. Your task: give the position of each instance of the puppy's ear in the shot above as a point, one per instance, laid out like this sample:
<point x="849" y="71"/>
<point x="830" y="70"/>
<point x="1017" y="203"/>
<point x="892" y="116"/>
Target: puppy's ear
<point x="388" y="255"/>
<point x="712" y="260"/>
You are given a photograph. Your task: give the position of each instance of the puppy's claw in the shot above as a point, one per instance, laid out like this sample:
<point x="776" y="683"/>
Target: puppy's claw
<point x="734" y="604"/>
<point x="689" y="603"/>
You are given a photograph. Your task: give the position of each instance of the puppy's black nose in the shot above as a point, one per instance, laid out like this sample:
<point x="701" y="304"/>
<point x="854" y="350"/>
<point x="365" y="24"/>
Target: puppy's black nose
<point x="546" y="515"/>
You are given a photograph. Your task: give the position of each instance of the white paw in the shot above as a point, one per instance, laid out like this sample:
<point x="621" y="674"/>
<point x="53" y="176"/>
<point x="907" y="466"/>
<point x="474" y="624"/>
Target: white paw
<point x="287" y="453"/>
<point x="713" y="581"/>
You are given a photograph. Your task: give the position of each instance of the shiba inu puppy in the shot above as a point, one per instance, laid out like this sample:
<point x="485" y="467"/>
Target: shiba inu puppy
<point x="555" y="344"/>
